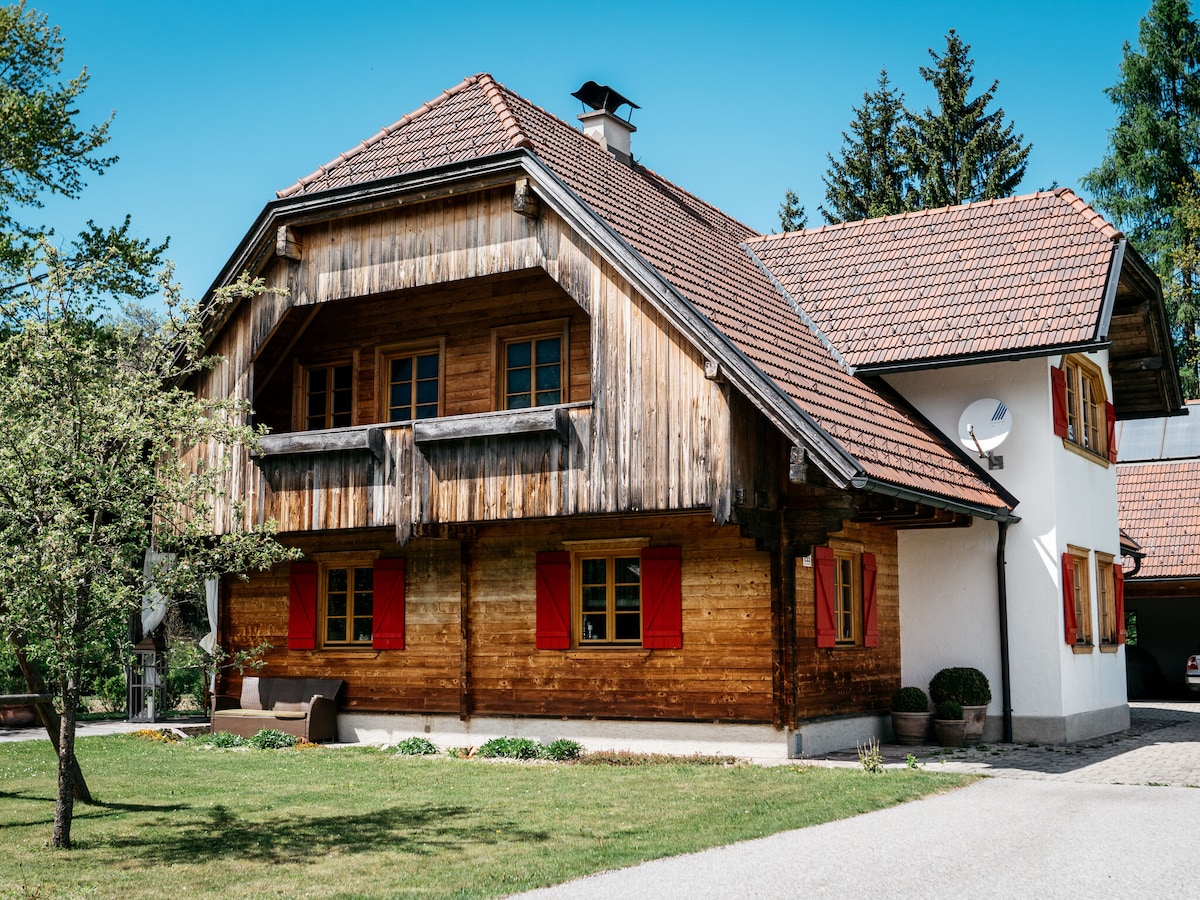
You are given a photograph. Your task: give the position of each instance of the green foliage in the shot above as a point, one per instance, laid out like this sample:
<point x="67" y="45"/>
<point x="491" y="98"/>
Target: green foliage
<point x="222" y="740"/>
<point x="1146" y="181"/>
<point x="44" y="151"/>
<point x="949" y="709"/>
<point x="959" y="152"/>
<point x="870" y="177"/>
<point x="910" y="699"/>
<point x="562" y="750"/>
<point x="870" y="757"/>
<point x="509" y="748"/>
<point x="964" y="684"/>
<point x="792" y="216"/>
<point x="112" y="691"/>
<point x="273" y="739"/>
<point x="416" y="746"/>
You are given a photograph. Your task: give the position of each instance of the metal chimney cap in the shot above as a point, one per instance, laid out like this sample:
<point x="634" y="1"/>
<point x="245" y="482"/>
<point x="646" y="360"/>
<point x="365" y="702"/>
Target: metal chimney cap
<point x="601" y="96"/>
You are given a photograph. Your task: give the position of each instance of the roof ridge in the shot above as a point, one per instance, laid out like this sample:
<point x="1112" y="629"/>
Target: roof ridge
<point x="384" y="132"/>
<point x="495" y="91"/>
<point x="1064" y="193"/>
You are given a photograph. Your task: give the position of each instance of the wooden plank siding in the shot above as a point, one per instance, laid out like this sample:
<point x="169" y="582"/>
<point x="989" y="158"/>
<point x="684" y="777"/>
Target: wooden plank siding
<point x="843" y="680"/>
<point x="722" y="672"/>
<point x="655" y="437"/>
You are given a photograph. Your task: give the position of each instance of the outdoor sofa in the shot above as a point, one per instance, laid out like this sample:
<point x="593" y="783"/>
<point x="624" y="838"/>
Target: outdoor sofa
<point x="305" y="707"/>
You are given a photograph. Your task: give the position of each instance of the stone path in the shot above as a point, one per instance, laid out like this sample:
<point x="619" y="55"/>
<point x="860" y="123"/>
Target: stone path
<point x="1161" y="747"/>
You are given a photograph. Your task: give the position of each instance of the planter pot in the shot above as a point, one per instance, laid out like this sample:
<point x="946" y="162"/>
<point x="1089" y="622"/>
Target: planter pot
<point x="975" y="717"/>
<point x="18" y="716"/>
<point x="911" y="727"/>
<point x="950" y="732"/>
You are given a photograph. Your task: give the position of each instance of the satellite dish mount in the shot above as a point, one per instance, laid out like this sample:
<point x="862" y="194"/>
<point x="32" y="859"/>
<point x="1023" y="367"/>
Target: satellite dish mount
<point x="984" y="426"/>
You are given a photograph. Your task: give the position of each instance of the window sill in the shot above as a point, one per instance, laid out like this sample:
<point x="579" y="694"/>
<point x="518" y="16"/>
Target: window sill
<point x="337" y="654"/>
<point x="598" y="653"/>
<point x="367" y="438"/>
<point x="1109" y="648"/>
<point x="538" y="420"/>
<point x="1089" y="455"/>
<point x="1082" y="648"/>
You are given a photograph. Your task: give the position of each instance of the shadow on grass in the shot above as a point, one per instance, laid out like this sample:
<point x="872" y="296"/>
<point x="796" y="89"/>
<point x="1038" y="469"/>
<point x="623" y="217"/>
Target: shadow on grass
<point x="97" y="809"/>
<point x="298" y="838"/>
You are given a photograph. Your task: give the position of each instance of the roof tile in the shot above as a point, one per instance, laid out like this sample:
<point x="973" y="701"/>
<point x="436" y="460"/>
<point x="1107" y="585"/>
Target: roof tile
<point x="1159" y="505"/>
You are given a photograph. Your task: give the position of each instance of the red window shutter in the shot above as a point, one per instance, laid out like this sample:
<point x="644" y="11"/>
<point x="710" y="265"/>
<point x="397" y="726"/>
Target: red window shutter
<point x="870" y="616"/>
<point x="387" y="631"/>
<point x="1058" y="393"/>
<point x="1119" y="599"/>
<point x="302" y="606"/>
<point x="1068" y="585"/>
<point x="826" y="633"/>
<point x="662" y="598"/>
<point x="1110" y="416"/>
<point x="553" y="614"/>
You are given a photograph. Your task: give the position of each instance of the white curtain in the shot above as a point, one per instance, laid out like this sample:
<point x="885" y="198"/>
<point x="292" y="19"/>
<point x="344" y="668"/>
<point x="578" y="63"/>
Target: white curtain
<point x="208" y="643"/>
<point x="154" y="604"/>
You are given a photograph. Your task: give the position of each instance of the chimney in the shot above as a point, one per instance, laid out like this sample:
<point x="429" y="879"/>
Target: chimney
<point x="603" y="125"/>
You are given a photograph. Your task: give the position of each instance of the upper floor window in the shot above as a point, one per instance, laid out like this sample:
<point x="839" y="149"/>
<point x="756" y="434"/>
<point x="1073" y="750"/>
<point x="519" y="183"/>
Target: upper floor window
<point x="1083" y="417"/>
<point x="410" y="383"/>
<point x="532" y="368"/>
<point x="328" y="396"/>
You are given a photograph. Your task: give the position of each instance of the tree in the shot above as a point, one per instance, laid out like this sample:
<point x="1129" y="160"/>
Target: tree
<point x="959" y="152"/>
<point x="870" y="178"/>
<point x="95" y="418"/>
<point x="41" y="147"/>
<point x="1154" y="151"/>
<point x="792" y="216"/>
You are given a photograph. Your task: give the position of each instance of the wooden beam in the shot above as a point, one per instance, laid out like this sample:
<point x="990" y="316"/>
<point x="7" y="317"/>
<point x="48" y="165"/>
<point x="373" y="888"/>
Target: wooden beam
<point x="525" y="201"/>
<point x="465" y="700"/>
<point x="287" y="244"/>
<point x="542" y="420"/>
<point x="1144" y="364"/>
<point x="797" y="465"/>
<point x="335" y="440"/>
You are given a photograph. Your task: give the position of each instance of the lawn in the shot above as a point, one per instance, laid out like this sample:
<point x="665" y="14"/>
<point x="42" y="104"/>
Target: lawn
<point x="178" y="820"/>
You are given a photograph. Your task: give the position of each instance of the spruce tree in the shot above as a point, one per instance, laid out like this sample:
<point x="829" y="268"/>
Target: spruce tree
<point x="1145" y="183"/>
<point x="960" y="152"/>
<point x="871" y="176"/>
<point x="792" y="216"/>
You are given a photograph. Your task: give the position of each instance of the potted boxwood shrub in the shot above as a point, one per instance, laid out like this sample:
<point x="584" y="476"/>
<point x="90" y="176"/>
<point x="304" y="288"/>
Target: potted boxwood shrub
<point x="910" y="715"/>
<point x="968" y="687"/>
<point x="950" y="726"/>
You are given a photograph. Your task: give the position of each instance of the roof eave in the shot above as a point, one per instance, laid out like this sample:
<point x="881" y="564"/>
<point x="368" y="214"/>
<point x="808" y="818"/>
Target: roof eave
<point x="945" y="362"/>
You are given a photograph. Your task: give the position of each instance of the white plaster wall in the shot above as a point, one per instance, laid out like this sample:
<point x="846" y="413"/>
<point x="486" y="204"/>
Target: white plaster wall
<point x="948" y="598"/>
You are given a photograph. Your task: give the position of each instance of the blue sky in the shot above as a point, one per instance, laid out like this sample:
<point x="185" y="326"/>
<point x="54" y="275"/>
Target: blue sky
<point x="220" y="104"/>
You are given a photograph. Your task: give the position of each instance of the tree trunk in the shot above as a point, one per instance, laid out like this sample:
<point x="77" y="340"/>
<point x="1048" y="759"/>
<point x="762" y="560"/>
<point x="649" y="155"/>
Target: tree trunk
<point x="64" y="807"/>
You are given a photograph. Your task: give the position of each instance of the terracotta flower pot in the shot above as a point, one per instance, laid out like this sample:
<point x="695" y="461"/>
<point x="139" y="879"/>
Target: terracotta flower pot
<point x="950" y="732"/>
<point x="17" y="716"/>
<point x="911" y="727"/>
<point x="975" y="717"/>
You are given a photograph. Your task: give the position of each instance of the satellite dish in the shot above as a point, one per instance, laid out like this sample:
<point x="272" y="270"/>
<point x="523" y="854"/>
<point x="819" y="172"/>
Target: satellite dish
<point x="984" y="425"/>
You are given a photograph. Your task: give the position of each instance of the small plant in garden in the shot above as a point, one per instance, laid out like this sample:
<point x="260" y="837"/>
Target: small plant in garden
<point x="416" y="746"/>
<point x="910" y="761"/>
<point x="222" y="740"/>
<point x="273" y="739"/>
<point x="460" y="752"/>
<point x="869" y="757"/>
<point x="154" y="734"/>
<point x="509" y="748"/>
<point x="910" y="699"/>
<point x="949" y="709"/>
<point x="563" y="750"/>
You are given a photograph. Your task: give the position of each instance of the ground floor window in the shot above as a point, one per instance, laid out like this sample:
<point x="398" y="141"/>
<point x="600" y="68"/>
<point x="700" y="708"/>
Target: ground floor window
<point x="340" y="602"/>
<point x="1077" y="598"/>
<point x="348" y="605"/>
<point x="846" y="597"/>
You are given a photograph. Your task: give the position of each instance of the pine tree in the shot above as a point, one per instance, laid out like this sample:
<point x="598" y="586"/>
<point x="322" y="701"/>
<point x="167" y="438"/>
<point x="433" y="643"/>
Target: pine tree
<point x="792" y="216"/>
<point x="1146" y="181"/>
<point x="960" y="152"/>
<point x="871" y="177"/>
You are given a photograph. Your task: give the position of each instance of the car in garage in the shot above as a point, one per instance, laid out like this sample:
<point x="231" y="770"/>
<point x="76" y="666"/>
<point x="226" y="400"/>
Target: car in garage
<point x="1193" y="674"/>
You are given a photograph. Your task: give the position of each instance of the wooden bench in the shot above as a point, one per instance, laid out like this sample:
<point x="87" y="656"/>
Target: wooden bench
<point x="305" y="707"/>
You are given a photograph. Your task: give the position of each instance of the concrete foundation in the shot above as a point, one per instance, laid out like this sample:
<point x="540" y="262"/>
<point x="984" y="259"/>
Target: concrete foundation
<point x="1068" y="729"/>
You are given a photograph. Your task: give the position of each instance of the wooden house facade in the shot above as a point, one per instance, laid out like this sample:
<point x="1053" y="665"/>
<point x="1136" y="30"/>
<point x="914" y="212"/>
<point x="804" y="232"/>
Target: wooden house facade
<point x="561" y="457"/>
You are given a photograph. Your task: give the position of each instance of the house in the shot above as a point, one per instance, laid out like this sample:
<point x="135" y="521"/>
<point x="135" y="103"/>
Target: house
<point x="1158" y="494"/>
<point x="571" y="453"/>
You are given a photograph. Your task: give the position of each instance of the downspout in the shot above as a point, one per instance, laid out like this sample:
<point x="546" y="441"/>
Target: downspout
<point x="1002" y="591"/>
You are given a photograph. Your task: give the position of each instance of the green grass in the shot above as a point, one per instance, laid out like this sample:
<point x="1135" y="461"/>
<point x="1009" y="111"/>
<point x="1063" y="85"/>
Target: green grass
<point x="173" y="819"/>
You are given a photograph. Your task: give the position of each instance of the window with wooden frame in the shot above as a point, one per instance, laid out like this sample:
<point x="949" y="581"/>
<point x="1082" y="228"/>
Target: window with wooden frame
<point x="618" y="593"/>
<point x="324" y="395"/>
<point x="409" y="382"/>
<point x="846" y="598"/>
<point x="1110" y="601"/>
<point x="1083" y="417"/>
<point x="345" y="602"/>
<point x="531" y="365"/>
<point x="1077" y="598"/>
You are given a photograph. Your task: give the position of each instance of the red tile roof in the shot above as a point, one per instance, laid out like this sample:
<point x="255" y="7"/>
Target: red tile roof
<point x="963" y="281"/>
<point x="698" y="250"/>
<point x="1159" y="504"/>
